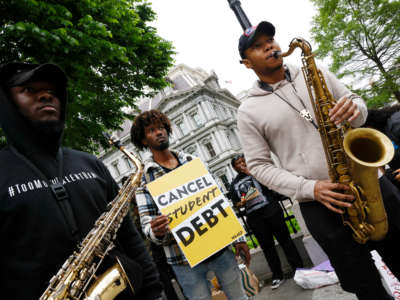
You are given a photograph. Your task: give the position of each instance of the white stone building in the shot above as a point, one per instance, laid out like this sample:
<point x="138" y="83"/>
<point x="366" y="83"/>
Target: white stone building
<point x="203" y="118"/>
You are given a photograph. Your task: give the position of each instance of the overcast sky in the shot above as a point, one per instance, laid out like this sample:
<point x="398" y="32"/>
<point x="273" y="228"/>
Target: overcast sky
<point x="205" y="33"/>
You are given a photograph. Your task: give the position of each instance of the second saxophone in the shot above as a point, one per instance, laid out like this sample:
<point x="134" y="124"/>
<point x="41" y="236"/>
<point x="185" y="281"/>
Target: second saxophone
<point x="78" y="278"/>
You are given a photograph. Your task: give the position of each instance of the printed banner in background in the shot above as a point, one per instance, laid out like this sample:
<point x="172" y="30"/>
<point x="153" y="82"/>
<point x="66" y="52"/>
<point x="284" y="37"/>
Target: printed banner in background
<point x="201" y="218"/>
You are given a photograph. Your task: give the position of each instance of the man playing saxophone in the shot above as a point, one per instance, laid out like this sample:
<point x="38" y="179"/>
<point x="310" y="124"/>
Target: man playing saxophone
<point x="50" y="196"/>
<point x="278" y="117"/>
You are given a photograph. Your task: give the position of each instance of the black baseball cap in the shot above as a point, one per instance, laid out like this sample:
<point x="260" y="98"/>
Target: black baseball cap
<point x="17" y="73"/>
<point x="248" y="36"/>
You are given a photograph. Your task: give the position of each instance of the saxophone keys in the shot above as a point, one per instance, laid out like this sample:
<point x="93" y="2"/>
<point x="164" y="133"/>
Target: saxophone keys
<point x="367" y="229"/>
<point x="345" y="179"/>
<point x="342" y="170"/>
<point x="325" y="110"/>
<point x="77" y="284"/>
<point x="83" y="274"/>
<point x="73" y="292"/>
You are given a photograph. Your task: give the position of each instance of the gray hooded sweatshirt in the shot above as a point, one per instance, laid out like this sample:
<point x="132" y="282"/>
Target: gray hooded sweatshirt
<point x="267" y="123"/>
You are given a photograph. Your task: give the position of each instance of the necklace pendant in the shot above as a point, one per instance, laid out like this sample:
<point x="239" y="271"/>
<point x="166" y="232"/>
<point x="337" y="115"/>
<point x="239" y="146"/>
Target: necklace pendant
<point x="306" y="115"/>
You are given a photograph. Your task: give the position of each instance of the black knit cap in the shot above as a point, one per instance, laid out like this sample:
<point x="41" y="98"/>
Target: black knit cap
<point x="248" y="36"/>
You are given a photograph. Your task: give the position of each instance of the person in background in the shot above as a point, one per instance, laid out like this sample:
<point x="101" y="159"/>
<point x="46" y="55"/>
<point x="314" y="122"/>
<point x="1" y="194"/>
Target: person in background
<point x="265" y="217"/>
<point x="278" y="117"/>
<point x="151" y="130"/>
<point x="387" y="121"/>
<point x="51" y="196"/>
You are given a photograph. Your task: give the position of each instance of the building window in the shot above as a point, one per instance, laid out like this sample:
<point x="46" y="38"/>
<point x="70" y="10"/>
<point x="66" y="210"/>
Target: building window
<point x="128" y="163"/>
<point x="192" y="150"/>
<point x="225" y="112"/>
<point x="197" y="120"/>
<point x="116" y="168"/>
<point x="210" y="149"/>
<point x="182" y="127"/>
<point x="172" y="137"/>
<point x="215" y="108"/>
<point x="224" y="181"/>
<point x="233" y="139"/>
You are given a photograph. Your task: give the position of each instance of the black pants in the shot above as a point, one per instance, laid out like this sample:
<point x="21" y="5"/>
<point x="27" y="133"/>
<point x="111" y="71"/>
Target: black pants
<point x="265" y="227"/>
<point x="352" y="261"/>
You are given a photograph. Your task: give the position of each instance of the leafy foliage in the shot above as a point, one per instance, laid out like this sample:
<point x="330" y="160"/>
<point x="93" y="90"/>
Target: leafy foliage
<point x="111" y="56"/>
<point x="362" y="37"/>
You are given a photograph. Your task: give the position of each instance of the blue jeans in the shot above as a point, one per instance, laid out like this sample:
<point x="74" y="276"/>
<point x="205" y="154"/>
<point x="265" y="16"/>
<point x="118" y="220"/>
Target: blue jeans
<point x="196" y="286"/>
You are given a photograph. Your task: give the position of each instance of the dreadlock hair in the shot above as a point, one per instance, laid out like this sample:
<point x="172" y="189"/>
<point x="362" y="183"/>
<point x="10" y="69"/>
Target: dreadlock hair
<point x="377" y="118"/>
<point x="145" y="119"/>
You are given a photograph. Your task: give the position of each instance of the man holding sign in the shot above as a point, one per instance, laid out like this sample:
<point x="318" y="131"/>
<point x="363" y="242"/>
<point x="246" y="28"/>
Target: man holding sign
<point x="151" y="130"/>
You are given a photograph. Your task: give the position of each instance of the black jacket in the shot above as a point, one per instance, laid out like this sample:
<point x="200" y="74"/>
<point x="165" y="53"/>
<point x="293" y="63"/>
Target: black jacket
<point x="271" y="196"/>
<point x="392" y="130"/>
<point x="36" y="239"/>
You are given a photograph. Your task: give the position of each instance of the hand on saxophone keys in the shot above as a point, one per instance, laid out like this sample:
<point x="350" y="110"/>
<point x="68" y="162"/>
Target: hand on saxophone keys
<point x="344" y="110"/>
<point x="333" y="195"/>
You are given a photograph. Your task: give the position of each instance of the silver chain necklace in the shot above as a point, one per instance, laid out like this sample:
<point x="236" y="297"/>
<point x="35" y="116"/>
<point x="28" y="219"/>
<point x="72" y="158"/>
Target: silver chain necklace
<point x="304" y="113"/>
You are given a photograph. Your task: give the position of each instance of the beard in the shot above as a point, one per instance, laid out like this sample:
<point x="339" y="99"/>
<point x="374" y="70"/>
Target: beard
<point x="278" y="67"/>
<point x="50" y="129"/>
<point x="272" y="70"/>
<point x="162" y="146"/>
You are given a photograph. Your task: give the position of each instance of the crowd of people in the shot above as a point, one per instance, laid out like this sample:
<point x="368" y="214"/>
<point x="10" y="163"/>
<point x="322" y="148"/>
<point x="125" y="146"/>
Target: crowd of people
<point x="51" y="196"/>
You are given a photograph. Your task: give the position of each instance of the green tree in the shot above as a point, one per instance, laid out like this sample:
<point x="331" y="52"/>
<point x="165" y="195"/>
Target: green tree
<point x="362" y="37"/>
<point x="110" y="53"/>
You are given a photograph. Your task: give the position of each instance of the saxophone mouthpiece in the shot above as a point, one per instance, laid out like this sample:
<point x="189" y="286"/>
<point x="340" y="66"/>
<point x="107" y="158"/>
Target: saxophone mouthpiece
<point x="276" y="54"/>
<point x="111" y="141"/>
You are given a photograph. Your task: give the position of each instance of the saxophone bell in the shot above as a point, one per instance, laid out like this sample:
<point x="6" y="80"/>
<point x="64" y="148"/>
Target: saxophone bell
<point x="368" y="149"/>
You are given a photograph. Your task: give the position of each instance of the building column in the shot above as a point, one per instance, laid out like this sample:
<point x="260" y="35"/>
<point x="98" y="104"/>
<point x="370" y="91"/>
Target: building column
<point x="217" y="143"/>
<point x="210" y="110"/>
<point x="201" y="112"/>
<point x="206" y="109"/>
<point x="202" y="155"/>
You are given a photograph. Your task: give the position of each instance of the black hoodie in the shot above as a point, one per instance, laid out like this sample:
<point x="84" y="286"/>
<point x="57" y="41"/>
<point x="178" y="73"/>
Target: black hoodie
<point x="36" y="239"/>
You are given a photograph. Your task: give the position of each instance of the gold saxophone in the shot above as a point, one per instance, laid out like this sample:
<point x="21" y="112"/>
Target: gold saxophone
<point x="77" y="278"/>
<point x="353" y="155"/>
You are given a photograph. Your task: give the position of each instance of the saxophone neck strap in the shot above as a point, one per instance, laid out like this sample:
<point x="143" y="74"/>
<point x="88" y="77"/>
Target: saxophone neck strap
<point x="304" y="113"/>
<point x="58" y="190"/>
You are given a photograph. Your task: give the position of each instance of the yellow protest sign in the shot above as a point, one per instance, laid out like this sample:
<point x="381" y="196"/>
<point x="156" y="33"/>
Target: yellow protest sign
<point x="201" y="218"/>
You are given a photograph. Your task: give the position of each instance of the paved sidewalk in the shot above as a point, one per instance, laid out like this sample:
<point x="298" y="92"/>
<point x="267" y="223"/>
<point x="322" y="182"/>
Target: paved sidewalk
<point x="289" y="290"/>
